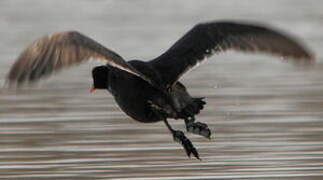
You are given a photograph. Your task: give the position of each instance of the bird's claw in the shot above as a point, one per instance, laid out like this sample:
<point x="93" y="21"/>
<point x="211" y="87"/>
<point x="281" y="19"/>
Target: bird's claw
<point x="186" y="143"/>
<point x="198" y="128"/>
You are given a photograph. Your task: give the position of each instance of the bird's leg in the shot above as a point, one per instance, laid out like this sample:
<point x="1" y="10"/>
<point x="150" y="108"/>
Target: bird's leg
<point x="181" y="138"/>
<point x="197" y="127"/>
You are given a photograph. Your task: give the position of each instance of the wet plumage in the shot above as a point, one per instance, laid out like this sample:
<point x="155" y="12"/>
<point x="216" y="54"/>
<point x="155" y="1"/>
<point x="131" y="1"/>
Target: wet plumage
<point x="150" y="91"/>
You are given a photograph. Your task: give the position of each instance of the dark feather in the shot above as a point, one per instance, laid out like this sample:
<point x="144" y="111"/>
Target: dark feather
<point x="206" y="39"/>
<point x="56" y="51"/>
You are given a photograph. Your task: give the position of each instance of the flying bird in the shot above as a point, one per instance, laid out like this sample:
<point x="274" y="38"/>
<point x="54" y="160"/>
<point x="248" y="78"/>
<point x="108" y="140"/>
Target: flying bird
<point x="150" y="91"/>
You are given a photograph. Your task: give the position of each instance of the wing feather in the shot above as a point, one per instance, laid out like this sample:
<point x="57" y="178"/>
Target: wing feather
<point x="205" y="39"/>
<point x="59" y="50"/>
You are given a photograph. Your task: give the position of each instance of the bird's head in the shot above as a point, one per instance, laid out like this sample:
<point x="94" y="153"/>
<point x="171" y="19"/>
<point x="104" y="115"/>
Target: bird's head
<point x="100" y="78"/>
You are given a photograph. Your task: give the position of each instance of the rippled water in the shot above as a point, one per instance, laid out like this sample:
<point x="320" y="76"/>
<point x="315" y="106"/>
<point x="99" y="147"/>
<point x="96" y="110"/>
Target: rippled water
<point x="266" y="115"/>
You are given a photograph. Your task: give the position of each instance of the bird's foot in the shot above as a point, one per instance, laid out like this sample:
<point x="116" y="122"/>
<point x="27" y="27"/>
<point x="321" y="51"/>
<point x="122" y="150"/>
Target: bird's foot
<point x="186" y="143"/>
<point x="198" y="128"/>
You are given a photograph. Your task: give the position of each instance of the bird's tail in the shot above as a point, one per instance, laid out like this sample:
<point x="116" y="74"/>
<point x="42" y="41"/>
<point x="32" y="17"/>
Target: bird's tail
<point x="193" y="108"/>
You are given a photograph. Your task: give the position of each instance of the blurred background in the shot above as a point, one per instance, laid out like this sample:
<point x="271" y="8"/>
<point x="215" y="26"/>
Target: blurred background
<point x="265" y="115"/>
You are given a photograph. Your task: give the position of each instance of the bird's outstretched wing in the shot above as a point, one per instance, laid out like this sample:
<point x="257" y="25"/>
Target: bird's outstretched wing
<point x="58" y="50"/>
<point x="208" y="38"/>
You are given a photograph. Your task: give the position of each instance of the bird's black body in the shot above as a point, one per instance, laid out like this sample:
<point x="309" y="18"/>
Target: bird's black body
<point x="150" y="91"/>
<point x="143" y="102"/>
<point x="133" y="93"/>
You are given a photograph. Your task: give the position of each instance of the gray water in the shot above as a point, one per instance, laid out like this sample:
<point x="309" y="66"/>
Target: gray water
<point x="265" y="115"/>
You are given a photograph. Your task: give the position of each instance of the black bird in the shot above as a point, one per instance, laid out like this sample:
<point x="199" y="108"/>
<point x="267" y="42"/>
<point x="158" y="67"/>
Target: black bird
<point x="150" y="91"/>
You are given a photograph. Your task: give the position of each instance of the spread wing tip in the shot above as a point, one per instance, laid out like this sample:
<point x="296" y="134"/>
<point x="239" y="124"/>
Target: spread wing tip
<point x="59" y="50"/>
<point x="302" y="56"/>
<point x="56" y="51"/>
